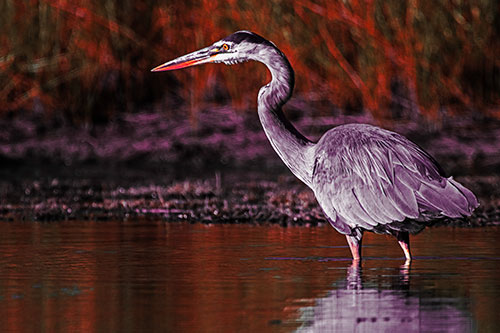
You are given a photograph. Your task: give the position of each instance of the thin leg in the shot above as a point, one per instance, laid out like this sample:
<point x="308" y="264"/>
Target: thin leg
<point x="354" y="276"/>
<point x="404" y="271"/>
<point x="404" y="241"/>
<point x="355" y="246"/>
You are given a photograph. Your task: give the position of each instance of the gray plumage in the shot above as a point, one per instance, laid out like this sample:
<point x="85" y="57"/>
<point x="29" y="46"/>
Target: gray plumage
<point x="367" y="177"/>
<point x="364" y="177"/>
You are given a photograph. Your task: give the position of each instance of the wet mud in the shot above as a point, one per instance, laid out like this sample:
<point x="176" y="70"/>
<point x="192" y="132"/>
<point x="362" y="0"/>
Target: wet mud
<point x="217" y="169"/>
<point x="222" y="196"/>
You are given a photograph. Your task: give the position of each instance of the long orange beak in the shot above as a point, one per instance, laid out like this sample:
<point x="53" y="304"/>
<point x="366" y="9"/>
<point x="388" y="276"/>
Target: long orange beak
<point x="199" y="57"/>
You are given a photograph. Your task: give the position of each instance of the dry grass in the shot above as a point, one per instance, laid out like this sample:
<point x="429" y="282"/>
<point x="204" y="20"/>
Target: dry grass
<point x="88" y="60"/>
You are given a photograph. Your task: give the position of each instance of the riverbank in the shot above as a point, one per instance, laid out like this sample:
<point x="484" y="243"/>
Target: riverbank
<point x="224" y="196"/>
<point x="219" y="169"/>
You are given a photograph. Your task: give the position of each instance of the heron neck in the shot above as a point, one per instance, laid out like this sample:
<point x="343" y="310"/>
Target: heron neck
<point x="292" y="147"/>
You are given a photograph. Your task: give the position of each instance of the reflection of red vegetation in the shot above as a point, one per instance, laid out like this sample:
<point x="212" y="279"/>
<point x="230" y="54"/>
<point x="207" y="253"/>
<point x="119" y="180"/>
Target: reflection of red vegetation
<point x="428" y="57"/>
<point x="139" y="276"/>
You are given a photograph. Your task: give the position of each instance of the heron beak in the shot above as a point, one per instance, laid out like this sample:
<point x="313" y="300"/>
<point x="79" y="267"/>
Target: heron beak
<point x="199" y="57"/>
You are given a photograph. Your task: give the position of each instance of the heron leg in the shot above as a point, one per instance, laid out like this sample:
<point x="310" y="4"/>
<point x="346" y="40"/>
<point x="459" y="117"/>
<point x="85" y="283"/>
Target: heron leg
<point x="403" y="238"/>
<point x="355" y="246"/>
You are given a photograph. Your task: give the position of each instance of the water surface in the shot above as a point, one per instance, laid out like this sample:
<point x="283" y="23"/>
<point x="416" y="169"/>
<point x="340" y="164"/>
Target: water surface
<point x="156" y="276"/>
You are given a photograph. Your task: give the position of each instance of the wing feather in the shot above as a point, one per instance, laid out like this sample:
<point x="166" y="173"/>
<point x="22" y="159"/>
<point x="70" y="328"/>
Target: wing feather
<point x="374" y="206"/>
<point x="469" y="196"/>
<point x="366" y="176"/>
<point x="403" y="197"/>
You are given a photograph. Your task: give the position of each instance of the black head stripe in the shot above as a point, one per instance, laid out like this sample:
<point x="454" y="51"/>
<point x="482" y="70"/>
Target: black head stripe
<point x="246" y="36"/>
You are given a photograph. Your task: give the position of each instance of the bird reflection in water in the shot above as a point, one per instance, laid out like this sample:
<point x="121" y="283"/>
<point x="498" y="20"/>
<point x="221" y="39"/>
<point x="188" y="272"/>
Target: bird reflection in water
<point x="383" y="303"/>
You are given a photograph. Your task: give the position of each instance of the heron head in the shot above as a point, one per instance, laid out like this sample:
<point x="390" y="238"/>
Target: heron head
<point x="238" y="47"/>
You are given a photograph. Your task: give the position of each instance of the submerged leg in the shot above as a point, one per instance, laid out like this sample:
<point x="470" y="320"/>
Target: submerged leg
<point x="354" y="242"/>
<point x="403" y="238"/>
<point x="354" y="276"/>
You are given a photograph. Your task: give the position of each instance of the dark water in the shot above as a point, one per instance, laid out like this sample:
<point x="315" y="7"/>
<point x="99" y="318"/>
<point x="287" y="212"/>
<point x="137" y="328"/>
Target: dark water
<point x="146" y="276"/>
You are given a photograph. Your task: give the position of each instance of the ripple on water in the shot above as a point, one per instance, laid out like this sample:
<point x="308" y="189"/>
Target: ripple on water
<point x="182" y="277"/>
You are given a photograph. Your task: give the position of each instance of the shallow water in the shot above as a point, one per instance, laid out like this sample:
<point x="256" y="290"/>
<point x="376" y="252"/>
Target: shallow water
<point x="147" y="276"/>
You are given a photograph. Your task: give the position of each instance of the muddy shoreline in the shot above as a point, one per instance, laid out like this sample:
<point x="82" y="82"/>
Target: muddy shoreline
<point x="219" y="170"/>
<point x="104" y="193"/>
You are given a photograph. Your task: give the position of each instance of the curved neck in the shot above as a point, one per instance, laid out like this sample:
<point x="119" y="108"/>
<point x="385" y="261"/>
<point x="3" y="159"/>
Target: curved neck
<point x="292" y="147"/>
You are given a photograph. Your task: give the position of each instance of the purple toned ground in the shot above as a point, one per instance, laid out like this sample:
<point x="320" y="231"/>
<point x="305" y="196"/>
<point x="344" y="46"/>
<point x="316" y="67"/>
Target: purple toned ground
<point x="220" y="169"/>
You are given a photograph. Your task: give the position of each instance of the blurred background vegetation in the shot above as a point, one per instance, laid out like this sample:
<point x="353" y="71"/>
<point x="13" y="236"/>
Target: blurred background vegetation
<point x="87" y="61"/>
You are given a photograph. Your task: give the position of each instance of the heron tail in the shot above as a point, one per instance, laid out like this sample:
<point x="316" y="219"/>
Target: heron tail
<point x="449" y="198"/>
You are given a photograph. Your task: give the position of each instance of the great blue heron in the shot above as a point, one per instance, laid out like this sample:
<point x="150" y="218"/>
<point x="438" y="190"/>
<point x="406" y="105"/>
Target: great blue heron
<point x="364" y="177"/>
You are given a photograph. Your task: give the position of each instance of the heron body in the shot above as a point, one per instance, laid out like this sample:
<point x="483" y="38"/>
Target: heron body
<point x="364" y="177"/>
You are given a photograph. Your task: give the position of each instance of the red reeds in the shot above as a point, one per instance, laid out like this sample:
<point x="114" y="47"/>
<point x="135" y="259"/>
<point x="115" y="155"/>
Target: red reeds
<point x="93" y="58"/>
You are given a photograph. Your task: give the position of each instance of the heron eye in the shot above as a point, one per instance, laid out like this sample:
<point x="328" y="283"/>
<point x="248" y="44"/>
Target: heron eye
<point x="225" y="47"/>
